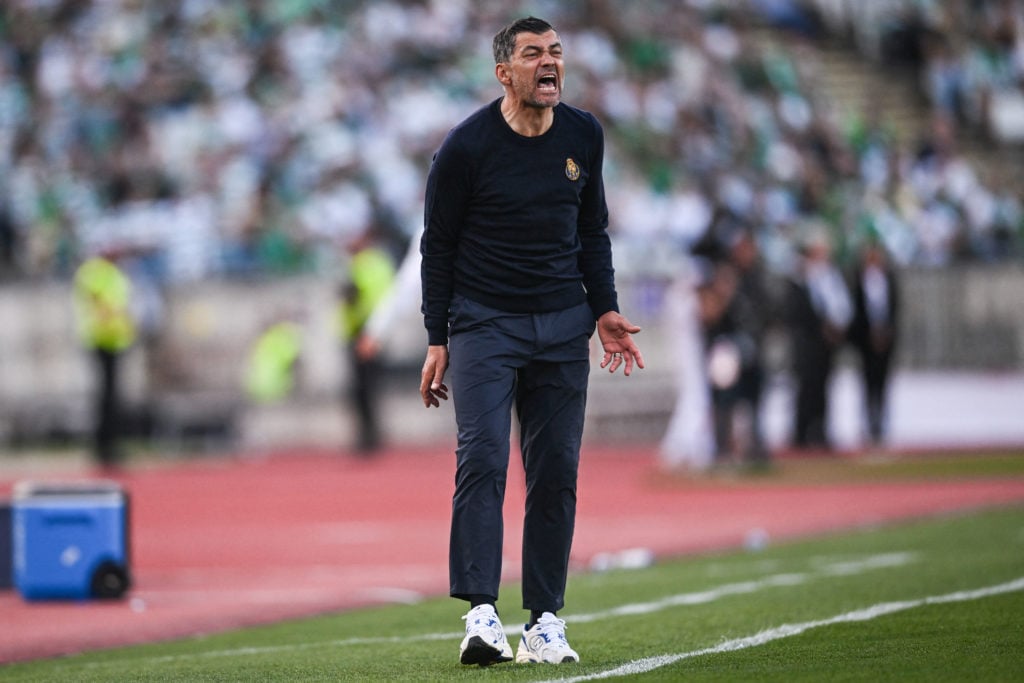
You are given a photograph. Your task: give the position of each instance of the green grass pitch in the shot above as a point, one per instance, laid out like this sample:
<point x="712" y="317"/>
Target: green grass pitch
<point x="930" y="600"/>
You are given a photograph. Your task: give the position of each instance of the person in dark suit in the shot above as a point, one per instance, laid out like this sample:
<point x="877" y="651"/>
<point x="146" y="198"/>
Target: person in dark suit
<point x="818" y="314"/>
<point x="874" y="329"/>
<point x="735" y="336"/>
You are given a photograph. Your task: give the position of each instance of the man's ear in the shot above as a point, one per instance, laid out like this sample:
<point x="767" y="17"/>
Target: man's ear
<point x="502" y="74"/>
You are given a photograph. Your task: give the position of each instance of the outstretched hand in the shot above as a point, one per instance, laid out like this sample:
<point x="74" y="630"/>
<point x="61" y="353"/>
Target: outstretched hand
<point x="616" y="333"/>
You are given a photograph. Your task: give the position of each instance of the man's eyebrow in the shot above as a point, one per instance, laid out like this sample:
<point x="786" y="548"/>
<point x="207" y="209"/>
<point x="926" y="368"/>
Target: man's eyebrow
<point x="534" y="46"/>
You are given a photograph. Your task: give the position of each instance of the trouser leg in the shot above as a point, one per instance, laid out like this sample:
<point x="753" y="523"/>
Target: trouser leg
<point x="752" y="388"/>
<point x="817" y="430"/>
<point x="804" y="413"/>
<point x="540" y="363"/>
<point x="483" y="386"/>
<point x="551" y="401"/>
<point x="875" y="379"/>
<point x="723" y="403"/>
<point x="363" y="392"/>
<point x="107" y="408"/>
<point x="812" y="398"/>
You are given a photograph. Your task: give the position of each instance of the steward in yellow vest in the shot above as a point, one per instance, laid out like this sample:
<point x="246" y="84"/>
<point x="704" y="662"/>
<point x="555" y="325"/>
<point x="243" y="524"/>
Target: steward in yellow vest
<point x="270" y="375"/>
<point x="370" y="277"/>
<point x="102" y="299"/>
<point x="371" y="274"/>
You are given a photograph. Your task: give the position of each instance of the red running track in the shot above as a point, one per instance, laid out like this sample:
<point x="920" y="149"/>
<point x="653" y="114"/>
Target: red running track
<point x="219" y="544"/>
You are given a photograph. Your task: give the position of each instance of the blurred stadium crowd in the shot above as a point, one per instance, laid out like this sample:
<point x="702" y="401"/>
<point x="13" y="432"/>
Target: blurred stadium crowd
<point x="259" y="137"/>
<point x="969" y="56"/>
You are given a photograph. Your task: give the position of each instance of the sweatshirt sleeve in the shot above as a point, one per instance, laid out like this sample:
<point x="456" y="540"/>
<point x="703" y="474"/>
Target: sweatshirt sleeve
<point x="448" y="188"/>
<point x="595" y="259"/>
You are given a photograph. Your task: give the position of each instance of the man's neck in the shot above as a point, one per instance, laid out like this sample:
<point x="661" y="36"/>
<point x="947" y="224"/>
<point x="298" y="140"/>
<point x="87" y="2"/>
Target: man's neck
<point x="527" y="121"/>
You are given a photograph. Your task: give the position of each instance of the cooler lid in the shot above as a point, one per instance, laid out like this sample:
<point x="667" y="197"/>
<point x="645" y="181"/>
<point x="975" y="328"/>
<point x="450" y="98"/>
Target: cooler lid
<point x="53" y="490"/>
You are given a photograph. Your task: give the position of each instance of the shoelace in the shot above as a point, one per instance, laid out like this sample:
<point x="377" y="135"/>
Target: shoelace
<point x="487" y="618"/>
<point x="552" y="629"/>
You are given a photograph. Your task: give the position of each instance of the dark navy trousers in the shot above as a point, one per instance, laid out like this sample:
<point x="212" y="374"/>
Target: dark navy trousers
<point x="537" y="364"/>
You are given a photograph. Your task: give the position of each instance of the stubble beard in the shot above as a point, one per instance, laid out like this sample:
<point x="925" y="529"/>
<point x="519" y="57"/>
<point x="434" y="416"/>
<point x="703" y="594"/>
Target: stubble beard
<point x="545" y="100"/>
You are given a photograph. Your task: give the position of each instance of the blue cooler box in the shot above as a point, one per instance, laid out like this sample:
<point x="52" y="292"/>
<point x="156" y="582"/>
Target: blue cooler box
<point x="70" y="540"/>
<point x="6" y="556"/>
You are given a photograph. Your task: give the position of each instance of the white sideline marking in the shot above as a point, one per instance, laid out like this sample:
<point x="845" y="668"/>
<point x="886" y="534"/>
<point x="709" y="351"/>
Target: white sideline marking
<point x="851" y="567"/>
<point x="696" y="598"/>
<point x="837" y="568"/>
<point x="292" y="647"/>
<point x="834" y="568"/>
<point x="786" y="630"/>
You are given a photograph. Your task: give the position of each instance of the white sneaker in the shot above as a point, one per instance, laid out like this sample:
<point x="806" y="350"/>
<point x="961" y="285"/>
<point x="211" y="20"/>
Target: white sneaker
<point x="546" y="642"/>
<point x="485" y="642"/>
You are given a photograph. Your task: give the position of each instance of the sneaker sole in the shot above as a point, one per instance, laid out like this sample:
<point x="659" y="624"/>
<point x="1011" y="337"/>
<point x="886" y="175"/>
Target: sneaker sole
<point x="525" y="657"/>
<point x="480" y="653"/>
<point x="533" y="660"/>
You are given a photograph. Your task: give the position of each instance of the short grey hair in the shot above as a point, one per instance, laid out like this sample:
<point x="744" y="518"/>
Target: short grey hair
<point x="505" y="40"/>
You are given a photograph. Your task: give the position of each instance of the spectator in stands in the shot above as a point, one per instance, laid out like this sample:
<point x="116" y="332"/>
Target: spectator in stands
<point x="943" y="78"/>
<point x="873" y="331"/>
<point x="186" y="113"/>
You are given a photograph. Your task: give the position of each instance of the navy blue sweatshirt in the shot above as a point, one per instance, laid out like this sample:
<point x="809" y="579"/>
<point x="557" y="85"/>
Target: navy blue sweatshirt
<point x="517" y="223"/>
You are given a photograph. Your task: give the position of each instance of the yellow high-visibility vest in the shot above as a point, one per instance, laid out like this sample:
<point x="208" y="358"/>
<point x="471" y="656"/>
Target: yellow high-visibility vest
<point x="270" y="374"/>
<point x="102" y="294"/>
<point x="371" y="275"/>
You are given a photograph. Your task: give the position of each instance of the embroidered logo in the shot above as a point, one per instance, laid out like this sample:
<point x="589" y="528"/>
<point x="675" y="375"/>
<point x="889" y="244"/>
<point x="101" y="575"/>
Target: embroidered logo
<point x="572" y="171"/>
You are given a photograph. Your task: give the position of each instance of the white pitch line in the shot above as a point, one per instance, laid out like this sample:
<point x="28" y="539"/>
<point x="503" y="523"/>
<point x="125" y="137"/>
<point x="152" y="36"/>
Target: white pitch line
<point x="252" y="651"/>
<point x="881" y="561"/>
<point x="786" y="630"/>
<point x="848" y="567"/>
<point x="694" y="598"/>
<point x="836" y="568"/>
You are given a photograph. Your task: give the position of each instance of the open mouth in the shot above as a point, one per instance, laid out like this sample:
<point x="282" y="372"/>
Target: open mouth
<point x="548" y="83"/>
